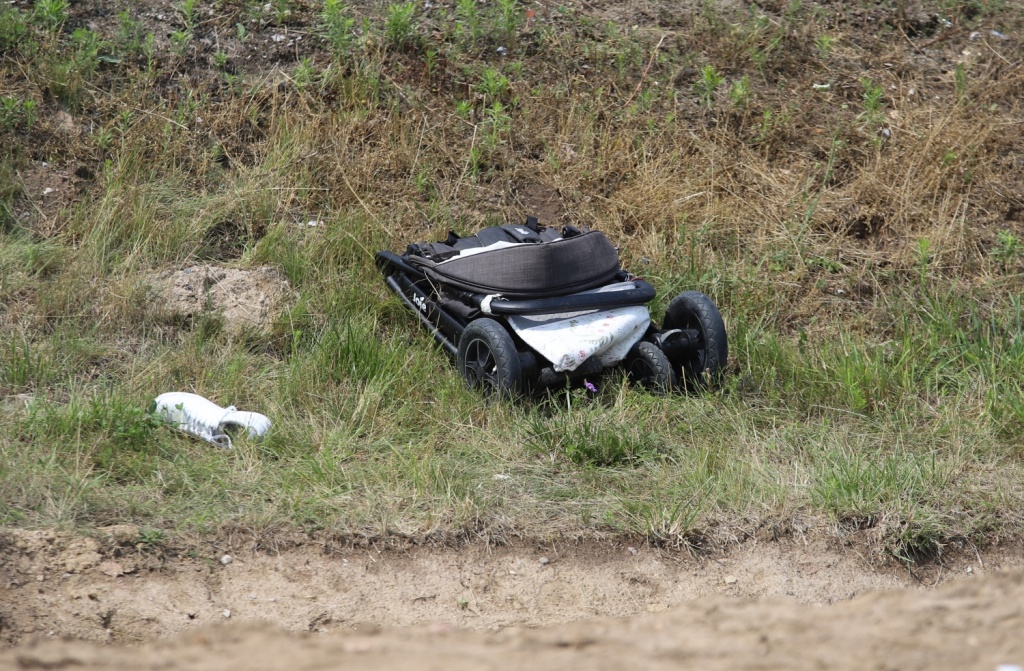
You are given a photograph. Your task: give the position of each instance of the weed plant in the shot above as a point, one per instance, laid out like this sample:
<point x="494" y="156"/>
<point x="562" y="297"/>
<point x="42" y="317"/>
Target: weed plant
<point x="337" y="26"/>
<point x="872" y="298"/>
<point x="399" y="29"/>
<point x="739" y="92"/>
<point x="468" y="21"/>
<point x="509" y="16"/>
<point x="823" y="44"/>
<point x="51" y="14"/>
<point x="12" y="28"/>
<point x="710" y="80"/>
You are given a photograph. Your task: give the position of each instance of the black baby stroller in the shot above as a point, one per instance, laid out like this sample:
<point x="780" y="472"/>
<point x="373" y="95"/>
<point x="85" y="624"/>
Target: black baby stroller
<point x="526" y="307"/>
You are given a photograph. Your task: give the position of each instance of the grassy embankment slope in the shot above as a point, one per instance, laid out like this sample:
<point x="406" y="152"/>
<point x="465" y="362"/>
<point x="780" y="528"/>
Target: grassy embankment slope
<point x="844" y="182"/>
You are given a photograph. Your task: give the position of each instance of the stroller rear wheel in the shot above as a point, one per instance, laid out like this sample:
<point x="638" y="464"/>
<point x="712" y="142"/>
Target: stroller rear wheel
<point x="704" y="363"/>
<point x="647" y="366"/>
<point x="487" y="359"/>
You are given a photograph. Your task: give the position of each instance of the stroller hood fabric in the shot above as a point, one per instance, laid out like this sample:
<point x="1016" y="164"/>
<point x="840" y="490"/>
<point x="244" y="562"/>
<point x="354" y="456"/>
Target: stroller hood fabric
<point x="537" y="270"/>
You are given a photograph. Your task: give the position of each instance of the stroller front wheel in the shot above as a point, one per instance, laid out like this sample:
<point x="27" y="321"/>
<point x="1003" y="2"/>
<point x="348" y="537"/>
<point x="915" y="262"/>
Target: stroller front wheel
<point x="487" y="360"/>
<point x="648" y="367"/>
<point x="705" y="363"/>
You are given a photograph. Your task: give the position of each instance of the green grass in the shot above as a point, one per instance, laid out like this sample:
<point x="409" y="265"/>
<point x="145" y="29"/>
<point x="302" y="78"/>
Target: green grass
<point x="871" y="289"/>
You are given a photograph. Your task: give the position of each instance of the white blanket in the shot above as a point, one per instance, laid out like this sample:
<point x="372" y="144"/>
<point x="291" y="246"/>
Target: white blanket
<point x="569" y="339"/>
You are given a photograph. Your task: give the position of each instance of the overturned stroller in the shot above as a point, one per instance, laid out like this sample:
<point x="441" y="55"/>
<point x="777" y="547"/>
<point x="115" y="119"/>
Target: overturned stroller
<point x="523" y="308"/>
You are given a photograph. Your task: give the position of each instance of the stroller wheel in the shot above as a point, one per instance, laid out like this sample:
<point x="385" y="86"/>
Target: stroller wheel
<point x="488" y="360"/>
<point x="704" y="363"/>
<point x="647" y="366"/>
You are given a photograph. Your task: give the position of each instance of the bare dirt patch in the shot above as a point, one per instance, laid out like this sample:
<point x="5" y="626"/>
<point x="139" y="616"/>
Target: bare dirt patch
<point x="48" y="190"/>
<point x="543" y="202"/>
<point x="108" y="590"/>
<point x="757" y="605"/>
<point x="244" y="298"/>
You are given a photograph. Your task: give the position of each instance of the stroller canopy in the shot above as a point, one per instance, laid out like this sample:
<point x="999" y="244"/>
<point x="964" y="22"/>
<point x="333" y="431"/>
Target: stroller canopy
<point x="522" y="270"/>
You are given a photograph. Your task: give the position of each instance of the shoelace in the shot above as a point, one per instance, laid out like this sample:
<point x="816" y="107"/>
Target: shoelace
<point x="193" y="425"/>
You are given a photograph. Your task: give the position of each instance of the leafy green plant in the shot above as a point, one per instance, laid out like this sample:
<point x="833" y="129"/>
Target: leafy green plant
<point x="794" y="9"/>
<point x="710" y="80"/>
<point x="51" y="14"/>
<point x="28" y="113"/>
<point x="499" y="123"/>
<point x="87" y="46"/>
<point x="508" y="19"/>
<point x="67" y="74"/>
<point x="123" y="423"/>
<point x="760" y="54"/>
<point x="830" y="265"/>
<point x="282" y="10"/>
<point x="12" y="28"/>
<point x="823" y="45"/>
<point x="304" y="74"/>
<point x="1008" y="248"/>
<point x="739" y="92"/>
<point x="337" y="26"/>
<point x="873" y="102"/>
<point x="960" y="83"/>
<point x="104" y="138"/>
<point x="181" y="42"/>
<point x="767" y="125"/>
<point x="16" y="113"/>
<point x="148" y="536"/>
<point x="474" y="161"/>
<point x="493" y="85"/>
<point x="467" y="21"/>
<point x="399" y="29"/>
<point x="188" y="14"/>
<point x="430" y="57"/>
<point x="130" y="40"/>
<point x="423" y="182"/>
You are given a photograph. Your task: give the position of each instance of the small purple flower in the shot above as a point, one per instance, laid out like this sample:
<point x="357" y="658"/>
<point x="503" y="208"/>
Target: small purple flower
<point x="590" y="387"/>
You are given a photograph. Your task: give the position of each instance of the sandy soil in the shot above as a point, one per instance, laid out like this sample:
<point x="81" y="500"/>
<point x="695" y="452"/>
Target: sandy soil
<point x="64" y="599"/>
<point x="244" y="298"/>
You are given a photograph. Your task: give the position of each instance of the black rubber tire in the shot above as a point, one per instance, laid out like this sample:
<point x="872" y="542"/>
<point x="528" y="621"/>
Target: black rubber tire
<point x="648" y="367"/>
<point x="488" y="361"/>
<point x="697" y="368"/>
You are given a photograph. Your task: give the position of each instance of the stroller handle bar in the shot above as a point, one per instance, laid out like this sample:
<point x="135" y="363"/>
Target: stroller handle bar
<point x="640" y="294"/>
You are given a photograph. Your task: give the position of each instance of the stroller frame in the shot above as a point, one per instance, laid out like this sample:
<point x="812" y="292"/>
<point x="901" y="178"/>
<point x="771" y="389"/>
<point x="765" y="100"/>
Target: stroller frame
<point x="688" y="352"/>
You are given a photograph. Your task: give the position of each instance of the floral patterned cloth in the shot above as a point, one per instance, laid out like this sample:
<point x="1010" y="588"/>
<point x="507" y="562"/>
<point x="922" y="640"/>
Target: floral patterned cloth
<point x="569" y="339"/>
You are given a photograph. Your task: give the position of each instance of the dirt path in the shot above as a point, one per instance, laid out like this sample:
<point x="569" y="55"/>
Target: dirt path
<point x="758" y="599"/>
<point x="968" y="625"/>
